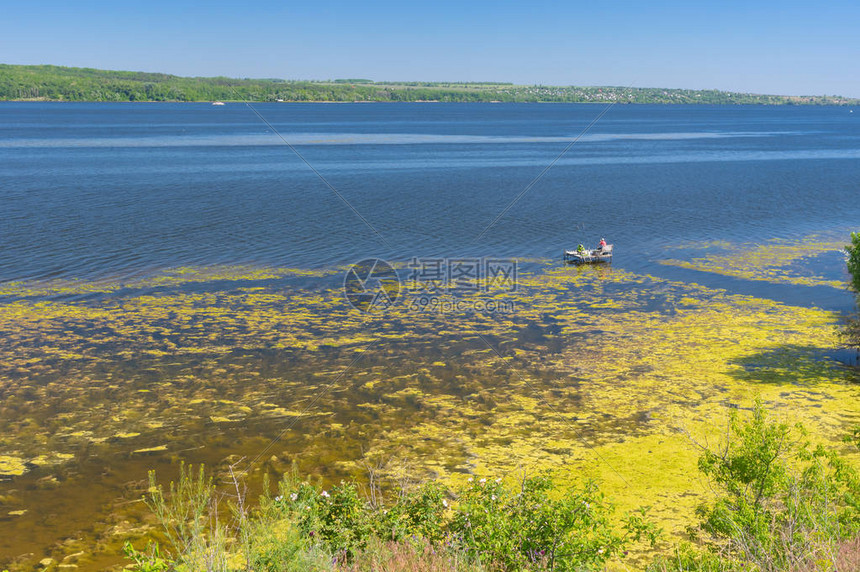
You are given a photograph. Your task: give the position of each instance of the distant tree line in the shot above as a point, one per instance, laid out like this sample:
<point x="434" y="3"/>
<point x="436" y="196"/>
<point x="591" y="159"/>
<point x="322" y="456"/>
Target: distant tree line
<point x="53" y="83"/>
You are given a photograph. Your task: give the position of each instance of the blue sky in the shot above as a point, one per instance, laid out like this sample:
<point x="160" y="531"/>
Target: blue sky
<point x="766" y="47"/>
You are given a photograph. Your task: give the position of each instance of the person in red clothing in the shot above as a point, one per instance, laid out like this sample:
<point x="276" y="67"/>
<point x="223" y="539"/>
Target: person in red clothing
<point x="602" y="243"/>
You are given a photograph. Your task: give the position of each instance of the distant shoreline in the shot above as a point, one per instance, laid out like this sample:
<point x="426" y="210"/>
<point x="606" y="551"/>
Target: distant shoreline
<point x="45" y="83"/>
<point x="383" y="102"/>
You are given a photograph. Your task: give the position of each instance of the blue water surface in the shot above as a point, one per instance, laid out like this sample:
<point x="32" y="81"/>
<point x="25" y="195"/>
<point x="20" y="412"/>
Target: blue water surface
<point x="115" y="190"/>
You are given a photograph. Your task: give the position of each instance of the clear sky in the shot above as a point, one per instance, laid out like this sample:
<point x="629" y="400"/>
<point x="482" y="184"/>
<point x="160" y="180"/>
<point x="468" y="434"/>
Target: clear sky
<point x="783" y="47"/>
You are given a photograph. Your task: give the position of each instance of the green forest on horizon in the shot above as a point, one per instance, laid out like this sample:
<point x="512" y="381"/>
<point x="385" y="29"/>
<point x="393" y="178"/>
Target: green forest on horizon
<point x="54" y="83"/>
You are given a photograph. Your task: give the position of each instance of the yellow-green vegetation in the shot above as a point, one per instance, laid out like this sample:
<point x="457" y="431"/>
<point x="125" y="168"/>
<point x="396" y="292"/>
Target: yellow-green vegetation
<point x="11" y="466"/>
<point x="774" y="261"/>
<point x="182" y="275"/>
<point x="598" y="374"/>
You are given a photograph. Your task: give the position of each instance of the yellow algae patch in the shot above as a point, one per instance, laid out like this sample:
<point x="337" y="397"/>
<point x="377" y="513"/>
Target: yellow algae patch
<point x="769" y="262"/>
<point x="280" y="412"/>
<point x="169" y="277"/>
<point x="10" y="465"/>
<point x="155" y="449"/>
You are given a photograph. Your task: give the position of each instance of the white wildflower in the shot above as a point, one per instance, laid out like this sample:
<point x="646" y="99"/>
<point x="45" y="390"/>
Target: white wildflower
<point x="294" y="496"/>
<point x="324" y="494"/>
<point x="482" y="481"/>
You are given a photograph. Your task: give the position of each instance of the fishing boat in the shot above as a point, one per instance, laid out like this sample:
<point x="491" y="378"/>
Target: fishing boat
<point x="217" y="103"/>
<point x="589" y="256"/>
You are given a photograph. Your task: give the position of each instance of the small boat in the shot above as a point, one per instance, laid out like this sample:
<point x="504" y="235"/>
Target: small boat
<point x="217" y="103"/>
<point x="589" y="256"/>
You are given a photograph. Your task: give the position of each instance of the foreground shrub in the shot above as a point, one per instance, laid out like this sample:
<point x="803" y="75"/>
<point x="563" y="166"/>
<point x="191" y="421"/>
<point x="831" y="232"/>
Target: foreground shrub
<point x="420" y="512"/>
<point x="853" y="251"/>
<point x="338" y="519"/>
<point x="781" y="503"/>
<point x="537" y="524"/>
<point x="851" y="332"/>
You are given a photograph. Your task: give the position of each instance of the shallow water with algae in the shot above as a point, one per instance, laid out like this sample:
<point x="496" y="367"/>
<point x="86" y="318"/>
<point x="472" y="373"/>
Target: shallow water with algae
<point x="599" y="373"/>
<point x="158" y="304"/>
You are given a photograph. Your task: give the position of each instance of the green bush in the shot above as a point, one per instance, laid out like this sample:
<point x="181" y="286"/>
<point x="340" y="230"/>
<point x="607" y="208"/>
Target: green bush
<point x="339" y="519"/>
<point x="853" y="251"/>
<point x="537" y="524"/>
<point x="781" y="503"/>
<point x="851" y="332"/>
<point x="417" y="513"/>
